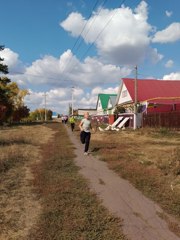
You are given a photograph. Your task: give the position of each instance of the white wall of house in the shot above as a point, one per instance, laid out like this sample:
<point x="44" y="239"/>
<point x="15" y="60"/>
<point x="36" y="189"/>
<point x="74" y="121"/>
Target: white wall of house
<point x="109" y="106"/>
<point x="100" y="110"/>
<point x="81" y="112"/>
<point x="124" y="96"/>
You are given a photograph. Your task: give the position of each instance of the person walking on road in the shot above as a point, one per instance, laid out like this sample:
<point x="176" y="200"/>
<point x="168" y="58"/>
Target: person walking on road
<point x="85" y="135"/>
<point x="72" y="122"/>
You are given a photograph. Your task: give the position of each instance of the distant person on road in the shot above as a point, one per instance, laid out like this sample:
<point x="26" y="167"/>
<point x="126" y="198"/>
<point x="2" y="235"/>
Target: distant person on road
<point x="85" y="135"/>
<point x="72" y="122"/>
<point x="65" y="119"/>
<point x="62" y="118"/>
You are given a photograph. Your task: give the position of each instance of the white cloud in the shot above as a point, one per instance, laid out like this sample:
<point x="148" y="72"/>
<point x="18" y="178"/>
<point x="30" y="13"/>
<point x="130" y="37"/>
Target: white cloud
<point x="56" y="99"/>
<point x="169" y="63"/>
<point x="59" y="99"/>
<point x="89" y="100"/>
<point x="98" y="90"/>
<point x="169" y="34"/>
<point x="155" y="56"/>
<point x="67" y="70"/>
<point x="123" y="40"/>
<point x="11" y="59"/>
<point x="172" y="76"/>
<point x="168" y="13"/>
<point x="74" y="21"/>
<point x="60" y="74"/>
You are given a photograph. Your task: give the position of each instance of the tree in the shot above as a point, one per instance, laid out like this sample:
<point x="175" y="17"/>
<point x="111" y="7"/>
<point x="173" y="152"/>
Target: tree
<point x="3" y="67"/>
<point x="20" y="113"/>
<point x="11" y="96"/>
<point x="39" y="114"/>
<point x="5" y="103"/>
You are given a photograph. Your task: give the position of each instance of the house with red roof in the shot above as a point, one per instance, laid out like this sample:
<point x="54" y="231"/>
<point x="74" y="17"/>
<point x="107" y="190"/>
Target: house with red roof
<point x="158" y="102"/>
<point x="152" y="95"/>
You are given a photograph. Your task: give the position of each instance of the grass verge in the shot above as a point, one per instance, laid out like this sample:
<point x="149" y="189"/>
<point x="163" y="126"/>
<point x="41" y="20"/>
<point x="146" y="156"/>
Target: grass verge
<point x="149" y="159"/>
<point x="19" y="148"/>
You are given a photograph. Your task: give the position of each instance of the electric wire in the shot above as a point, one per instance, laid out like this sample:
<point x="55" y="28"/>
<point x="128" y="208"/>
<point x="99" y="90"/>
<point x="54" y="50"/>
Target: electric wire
<point x="78" y="39"/>
<point x="99" y="34"/>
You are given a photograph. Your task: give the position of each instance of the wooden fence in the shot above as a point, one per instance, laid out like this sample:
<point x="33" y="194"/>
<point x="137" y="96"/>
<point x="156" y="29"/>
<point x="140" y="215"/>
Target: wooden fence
<point x="167" y="120"/>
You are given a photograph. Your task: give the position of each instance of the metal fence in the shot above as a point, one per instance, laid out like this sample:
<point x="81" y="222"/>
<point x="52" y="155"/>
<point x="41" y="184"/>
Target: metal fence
<point x="167" y="120"/>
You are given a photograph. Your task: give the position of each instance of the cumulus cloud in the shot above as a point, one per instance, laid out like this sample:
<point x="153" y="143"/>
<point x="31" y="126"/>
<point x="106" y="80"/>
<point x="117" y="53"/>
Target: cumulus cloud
<point x="169" y="34"/>
<point x="172" y="76"/>
<point x="56" y="99"/>
<point x="11" y="59"/>
<point x="155" y="56"/>
<point x="89" y="100"/>
<point x="168" y="13"/>
<point x="98" y="90"/>
<point x="67" y="70"/>
<point x="59" y="99"/>
<point x="60" y="74"/>
<point x="169" y="63"/>
<point x="120" y="35"/>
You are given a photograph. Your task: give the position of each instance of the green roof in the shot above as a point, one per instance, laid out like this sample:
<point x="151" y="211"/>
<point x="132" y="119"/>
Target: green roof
<point x="104" y="98"/>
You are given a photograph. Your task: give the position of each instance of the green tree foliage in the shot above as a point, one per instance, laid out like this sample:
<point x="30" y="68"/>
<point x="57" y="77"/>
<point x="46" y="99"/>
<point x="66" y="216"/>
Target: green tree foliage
<point x="20" y="113"/>
<point x="11" y="96"/>
<point x="119" y="109"/>
<point x="39" y="114"/>
<point x="3" y="67"/>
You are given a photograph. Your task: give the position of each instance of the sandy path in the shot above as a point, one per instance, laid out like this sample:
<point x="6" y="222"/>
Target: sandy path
<point x="141" y="221"/>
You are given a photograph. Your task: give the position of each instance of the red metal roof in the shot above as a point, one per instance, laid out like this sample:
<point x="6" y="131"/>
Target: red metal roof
<point x="151" y="90"/>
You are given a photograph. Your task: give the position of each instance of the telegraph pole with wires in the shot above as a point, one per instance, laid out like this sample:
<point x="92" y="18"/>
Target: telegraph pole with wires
<point x="45" y="111"/>
<point x="135" y="97"/>
<point x="72" y="107"/>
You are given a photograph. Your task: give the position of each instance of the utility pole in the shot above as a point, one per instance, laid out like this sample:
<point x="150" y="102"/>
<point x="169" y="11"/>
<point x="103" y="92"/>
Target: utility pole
<point x="135" y="98"/>
<point x="45" y="111"/>
<point x="72" y="101"/>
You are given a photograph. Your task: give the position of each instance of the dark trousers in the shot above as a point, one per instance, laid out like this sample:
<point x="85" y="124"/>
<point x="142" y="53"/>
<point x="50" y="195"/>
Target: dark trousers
<point x="85" y="139"/>
<point x="72" y="126"/>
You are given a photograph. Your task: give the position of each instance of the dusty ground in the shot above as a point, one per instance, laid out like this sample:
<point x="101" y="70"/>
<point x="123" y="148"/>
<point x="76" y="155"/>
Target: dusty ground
<point x="141" y="216"/>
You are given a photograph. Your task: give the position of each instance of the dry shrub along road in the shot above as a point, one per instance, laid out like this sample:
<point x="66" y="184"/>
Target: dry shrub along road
<point x="42" y="195"/>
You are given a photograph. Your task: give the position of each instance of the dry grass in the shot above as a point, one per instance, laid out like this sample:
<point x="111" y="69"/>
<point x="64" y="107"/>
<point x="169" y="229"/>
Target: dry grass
<point x="42" y="195"/>
<point x="148" y="158"/>
<point x="19" y="208"/>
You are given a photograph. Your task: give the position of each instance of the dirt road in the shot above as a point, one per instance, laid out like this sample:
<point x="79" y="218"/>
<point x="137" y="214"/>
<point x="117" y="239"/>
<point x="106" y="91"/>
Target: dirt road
<point x="140" y="215"/>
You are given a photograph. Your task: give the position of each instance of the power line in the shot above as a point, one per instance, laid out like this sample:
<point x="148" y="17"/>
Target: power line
<point x="85" y="25"/>
<point x="101" y="32"/>
<point x="104" y="2"/>
<point x="78" y="39"/>
<point x="80" y="43"/>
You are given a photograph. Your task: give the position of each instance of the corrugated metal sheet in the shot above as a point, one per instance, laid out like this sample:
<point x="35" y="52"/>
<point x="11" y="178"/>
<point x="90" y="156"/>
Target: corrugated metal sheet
<point x="153" y="90"/>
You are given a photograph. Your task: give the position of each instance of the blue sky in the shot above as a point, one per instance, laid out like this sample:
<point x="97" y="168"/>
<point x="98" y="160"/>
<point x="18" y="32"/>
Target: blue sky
<point x="39" y="38"/>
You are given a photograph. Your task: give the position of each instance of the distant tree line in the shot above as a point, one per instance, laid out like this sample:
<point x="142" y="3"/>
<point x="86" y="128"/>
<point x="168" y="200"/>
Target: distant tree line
<point x="39" y="115"/>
